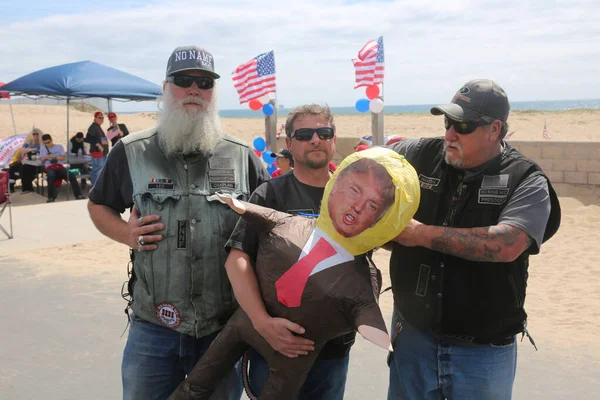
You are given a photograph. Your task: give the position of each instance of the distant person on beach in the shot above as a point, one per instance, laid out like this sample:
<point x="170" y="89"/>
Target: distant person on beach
<point x="75" y="148"/>
<point x="116" y="131"/>
<point x="310" y="137"/>
<point x="98" y="145"/>
<point x="459" y="269"/>
<point x="284" y="161"/>
<point x="181" y="297"/>
<point x="54" y="157"/>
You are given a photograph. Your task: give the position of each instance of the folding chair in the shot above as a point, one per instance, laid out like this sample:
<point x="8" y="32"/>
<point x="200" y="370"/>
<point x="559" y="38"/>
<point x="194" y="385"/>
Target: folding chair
<point x="5" y="201"/>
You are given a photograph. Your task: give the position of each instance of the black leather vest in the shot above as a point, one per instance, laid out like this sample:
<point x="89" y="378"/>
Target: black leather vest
<point x="451" y="295"/>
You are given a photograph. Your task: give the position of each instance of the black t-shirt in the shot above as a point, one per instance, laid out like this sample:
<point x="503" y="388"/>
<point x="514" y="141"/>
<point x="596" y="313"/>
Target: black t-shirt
<point x="96" y="135"/>
<point x="114" y="188"/>
<point x="284" y="193"/>
<point x="287" y="194"/>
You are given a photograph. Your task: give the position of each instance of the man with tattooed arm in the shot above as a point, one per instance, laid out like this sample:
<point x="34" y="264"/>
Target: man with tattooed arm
<point x="459" y="270"/>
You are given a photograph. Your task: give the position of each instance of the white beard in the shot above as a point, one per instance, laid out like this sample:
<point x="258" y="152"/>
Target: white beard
<point x="456" y="162"/>
<point x="183" y="132"/>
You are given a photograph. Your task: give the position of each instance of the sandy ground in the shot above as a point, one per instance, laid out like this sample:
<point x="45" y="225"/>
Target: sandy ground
<point x="578" y="125"/>
<point x="63" y="315"/>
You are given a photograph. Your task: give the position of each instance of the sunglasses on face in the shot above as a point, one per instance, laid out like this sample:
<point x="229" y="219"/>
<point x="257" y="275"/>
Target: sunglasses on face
<point x="100" y="117"/>
<point x="305" y="134"/>
<point x="465" y="127"/>
<point x="47" y="142"/>
<point x="185" y="81"/>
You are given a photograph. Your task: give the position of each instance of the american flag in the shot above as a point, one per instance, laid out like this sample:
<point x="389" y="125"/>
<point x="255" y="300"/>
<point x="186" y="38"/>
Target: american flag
<point x="255" y="78"/>
<point x="369" y="65"/>
<point x="545" y="132"/>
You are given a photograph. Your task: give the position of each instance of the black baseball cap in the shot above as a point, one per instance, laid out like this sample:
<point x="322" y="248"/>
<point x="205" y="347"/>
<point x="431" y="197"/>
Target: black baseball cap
<point x="477" y="98"/>
<point x="285" y="153"/>
<point x="191" y="58"/>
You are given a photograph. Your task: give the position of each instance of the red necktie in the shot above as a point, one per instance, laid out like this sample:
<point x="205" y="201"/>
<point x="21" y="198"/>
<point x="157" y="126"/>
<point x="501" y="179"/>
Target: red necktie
<point x="290" y="285"/>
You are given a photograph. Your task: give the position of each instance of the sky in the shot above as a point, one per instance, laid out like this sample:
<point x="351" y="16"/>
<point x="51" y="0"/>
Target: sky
<point x="535" y="49"/>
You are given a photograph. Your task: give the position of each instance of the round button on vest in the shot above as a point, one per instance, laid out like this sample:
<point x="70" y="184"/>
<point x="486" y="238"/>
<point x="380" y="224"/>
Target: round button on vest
<point x="193" y="186"/>
<point x="159" y="207"/>
<point x="193" y="221"/>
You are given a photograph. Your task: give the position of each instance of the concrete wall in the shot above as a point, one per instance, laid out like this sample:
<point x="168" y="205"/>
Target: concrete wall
<point x="573" y="167"/>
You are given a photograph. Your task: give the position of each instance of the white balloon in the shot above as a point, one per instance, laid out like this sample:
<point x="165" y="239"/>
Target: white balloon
<point x="264" y="99"/>
<point x="376" y="106"/>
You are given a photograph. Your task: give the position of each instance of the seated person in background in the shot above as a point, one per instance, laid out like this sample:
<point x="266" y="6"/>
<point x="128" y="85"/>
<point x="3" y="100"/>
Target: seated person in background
<point x="53" y="156"/>
<point x="26" y="172"/>
<point x="116" y="131"/>
<point x="75" y="148"/>
<point x="14" y="167"/>
<point x="285" y="162"/>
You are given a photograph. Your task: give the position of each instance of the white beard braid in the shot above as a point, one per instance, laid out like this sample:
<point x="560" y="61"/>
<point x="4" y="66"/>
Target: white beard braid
<point x="182" y="133"/>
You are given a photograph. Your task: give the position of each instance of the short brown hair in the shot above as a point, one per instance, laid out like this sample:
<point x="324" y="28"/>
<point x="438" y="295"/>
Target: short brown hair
<point x="308" y="109"/>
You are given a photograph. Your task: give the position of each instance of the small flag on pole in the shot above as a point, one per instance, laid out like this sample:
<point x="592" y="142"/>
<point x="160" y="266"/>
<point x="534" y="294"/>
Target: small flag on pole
<point x="255" y="78"/>
<point x="369" y="65"/>
<point x="545" y="132"/>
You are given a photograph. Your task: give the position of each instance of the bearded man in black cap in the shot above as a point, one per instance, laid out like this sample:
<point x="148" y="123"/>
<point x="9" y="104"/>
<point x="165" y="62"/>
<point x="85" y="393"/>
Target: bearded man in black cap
<point x="181" y="297"/>
<point x="459" y="270"/>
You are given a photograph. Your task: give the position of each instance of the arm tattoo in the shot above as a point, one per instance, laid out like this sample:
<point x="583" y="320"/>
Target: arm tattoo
<point x="491" y="243"/>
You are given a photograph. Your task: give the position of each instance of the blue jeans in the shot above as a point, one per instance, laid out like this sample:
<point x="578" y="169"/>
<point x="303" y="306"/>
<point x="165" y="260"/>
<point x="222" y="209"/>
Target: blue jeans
<point x="97" y="164"/>
<point x="422" y="367"/>
<point x="157" y="359"/>
<point x="326" y="379"/>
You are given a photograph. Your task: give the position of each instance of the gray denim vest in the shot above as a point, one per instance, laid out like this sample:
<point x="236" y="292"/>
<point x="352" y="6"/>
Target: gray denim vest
<point x="183" y="284"/>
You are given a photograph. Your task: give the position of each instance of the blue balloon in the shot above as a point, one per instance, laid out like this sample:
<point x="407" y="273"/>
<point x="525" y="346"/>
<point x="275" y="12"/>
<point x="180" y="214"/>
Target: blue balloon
<point x="268" y="158"/>
<point x="362" y="105"/>
<point x="268" y="109"/>
<point x="271" y="169"/>
<point x="259" y="144"/>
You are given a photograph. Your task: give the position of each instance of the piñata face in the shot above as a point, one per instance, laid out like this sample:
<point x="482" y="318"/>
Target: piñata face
<point x="369" y="200"/>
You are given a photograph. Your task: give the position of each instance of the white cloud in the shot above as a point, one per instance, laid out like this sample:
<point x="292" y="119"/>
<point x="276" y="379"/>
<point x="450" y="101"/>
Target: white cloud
<point x="536" y="49"/>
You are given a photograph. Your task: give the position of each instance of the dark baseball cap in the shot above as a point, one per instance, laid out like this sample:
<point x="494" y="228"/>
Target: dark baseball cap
<point x="191" y="58"/>
<point x="477" y="98"/>
<point x="285" y="153"/>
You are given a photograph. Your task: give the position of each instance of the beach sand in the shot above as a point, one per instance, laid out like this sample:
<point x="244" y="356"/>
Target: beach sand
<point x="576" y="125"/>
<point x="63" y="316"/>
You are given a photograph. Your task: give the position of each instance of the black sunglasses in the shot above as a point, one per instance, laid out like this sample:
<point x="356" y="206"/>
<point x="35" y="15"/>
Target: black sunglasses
<point x="185" y="81"/>
<point x="305" y="134"/>
<point x="465" y="127"/>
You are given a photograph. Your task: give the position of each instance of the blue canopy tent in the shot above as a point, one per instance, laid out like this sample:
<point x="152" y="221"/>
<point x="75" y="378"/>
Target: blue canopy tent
<point x="81" y="80"/>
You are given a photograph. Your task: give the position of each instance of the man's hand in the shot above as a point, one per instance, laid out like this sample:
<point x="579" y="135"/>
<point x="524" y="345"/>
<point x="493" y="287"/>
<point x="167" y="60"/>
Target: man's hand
<point x="410" y="236"/>
<point x="141" y="226"/>
<point x="279" y="333"/>
<point x="99" y="146"/>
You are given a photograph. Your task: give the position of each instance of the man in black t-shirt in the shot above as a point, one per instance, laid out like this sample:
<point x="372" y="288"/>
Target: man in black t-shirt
<point x="98" y="145"/>
<point x="311" y="139"/>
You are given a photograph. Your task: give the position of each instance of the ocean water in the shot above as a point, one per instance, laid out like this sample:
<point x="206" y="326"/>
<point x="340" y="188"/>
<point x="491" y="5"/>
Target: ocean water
<point x="556" y="105"/>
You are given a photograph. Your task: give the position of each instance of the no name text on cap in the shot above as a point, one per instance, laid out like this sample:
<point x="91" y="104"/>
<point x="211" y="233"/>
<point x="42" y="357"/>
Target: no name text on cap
<point x="191" y="58"/>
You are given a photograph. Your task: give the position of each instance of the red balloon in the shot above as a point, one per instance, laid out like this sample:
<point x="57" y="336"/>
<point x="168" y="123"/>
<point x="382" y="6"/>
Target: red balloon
<point x="372" y="92"/>
<point x="258" y="153"/>
<point x="255" y="104"/>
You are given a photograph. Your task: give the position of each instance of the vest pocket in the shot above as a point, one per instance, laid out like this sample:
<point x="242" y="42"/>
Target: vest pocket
<point x="224" y="218"/>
